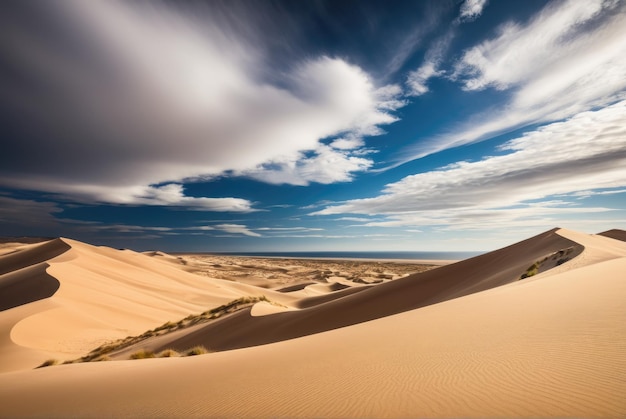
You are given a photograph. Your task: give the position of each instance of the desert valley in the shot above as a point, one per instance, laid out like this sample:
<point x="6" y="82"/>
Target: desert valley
<point x="535" y="329"/>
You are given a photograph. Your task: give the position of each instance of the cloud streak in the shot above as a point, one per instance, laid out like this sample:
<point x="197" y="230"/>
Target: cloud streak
<point x="153" y="96"/>
<point x="585" y="152"/>
<point x="569" y="58"/>
<point x="236" y="229"/>
<point x="417" y="80"/>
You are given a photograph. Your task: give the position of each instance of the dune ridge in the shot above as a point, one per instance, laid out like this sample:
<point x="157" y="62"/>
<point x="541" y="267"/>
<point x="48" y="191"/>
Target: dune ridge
<point x="615" y="234"/>
<point x="90" y="295"/>
<point x="23" y="276"/>
<point x="480" y="273"/>
<point x="551" y="345"/>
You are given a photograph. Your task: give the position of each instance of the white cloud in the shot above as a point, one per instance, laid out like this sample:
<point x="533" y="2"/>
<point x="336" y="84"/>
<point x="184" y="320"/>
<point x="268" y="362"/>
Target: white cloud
<point x="586" y="152"/>
<point x="520" y="53"/>
<point x="471" y="9"/>
<point x="417" y="80"/>
<point x="289" y="229"/>
<point x="165" y="195"/>
<point x="347" y="143"/>
<point x="236" y="229"/>
<point x="326" y="165"/>
<point x="524" y="216"/>
<point x="154" y="96"/>
<point x="587" y="194"/>
<point x="354" y="219"/>
<point x="569" y="58"/>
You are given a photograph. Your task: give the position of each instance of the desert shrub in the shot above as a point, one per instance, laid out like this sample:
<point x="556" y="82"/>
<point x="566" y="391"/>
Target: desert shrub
<point x="196" y="350"/>
<point x="102" y="358"/>
<point x="532" y="270"/>
<point x="142" y="354"/>
<point x="168" y="353"/>
<point x="166" y="326"/>
<point x="49" y="363"/>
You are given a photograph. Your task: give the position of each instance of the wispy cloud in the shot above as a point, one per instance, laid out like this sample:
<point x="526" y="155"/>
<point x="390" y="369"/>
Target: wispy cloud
<point x="165" y="195"/>
<point x="417" y="80"/>
<point x="471" y="9"/>
<point x="236" y="229"/>
<point x="20" y="213"/>
<point x="157" y="95"/>
<point x="586" y="152"/>
<point x="569" y="58"/>
<point x="416" y="37"/>
<point x="288" y="229"/>
<point x="588" y="194"/>
<point x="557" y="36"/>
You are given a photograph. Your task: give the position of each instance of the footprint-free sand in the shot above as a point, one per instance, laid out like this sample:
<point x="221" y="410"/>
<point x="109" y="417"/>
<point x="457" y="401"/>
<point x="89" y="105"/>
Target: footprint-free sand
<point x="467" y="339"/>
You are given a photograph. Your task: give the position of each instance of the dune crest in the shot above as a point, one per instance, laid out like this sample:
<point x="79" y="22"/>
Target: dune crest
<point x="91" y="295"/>
<point x="327" y="312"/>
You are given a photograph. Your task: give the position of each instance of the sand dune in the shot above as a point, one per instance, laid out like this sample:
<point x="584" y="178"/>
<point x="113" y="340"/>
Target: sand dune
<point x="468" y="340"/>
<point x="552" y="345"/>
<point x="615" y="234"/>
<point x="283" y="273"/>
<point x="451" y="281"/>
<point x="93" y="295"/>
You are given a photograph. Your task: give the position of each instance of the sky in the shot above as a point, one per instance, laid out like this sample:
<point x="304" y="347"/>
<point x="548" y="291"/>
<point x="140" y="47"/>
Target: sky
<point x="245" y="126"/>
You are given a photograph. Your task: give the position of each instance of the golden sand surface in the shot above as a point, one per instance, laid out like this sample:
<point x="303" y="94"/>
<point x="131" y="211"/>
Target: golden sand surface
<point x="276" y="272"/>
<point x="536" y="329"/>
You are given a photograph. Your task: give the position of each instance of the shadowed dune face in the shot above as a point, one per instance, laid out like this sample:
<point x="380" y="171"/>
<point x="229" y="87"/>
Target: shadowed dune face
<point x="23" y="276"/>
<point x="26" y="285"/>
<point x="473" y="275"/>
<point x="32" y="255"/>
<point x="615" y="234"/>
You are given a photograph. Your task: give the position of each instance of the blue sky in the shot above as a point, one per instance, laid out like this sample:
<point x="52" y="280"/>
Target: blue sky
<point x="301" y="125"/>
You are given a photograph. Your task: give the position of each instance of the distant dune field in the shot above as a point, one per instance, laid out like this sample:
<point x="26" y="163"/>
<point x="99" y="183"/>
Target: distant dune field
<point x="536" y="329"/>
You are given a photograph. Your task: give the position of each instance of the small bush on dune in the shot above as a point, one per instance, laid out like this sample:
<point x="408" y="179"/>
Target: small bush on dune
<point x="142" y="354"/>
<point x="102" y="358"/>
<point x="531" y="271"/>
<point x="49" y="363"/>
<point x="168" y="353"/>
<point x="197" y="350"/>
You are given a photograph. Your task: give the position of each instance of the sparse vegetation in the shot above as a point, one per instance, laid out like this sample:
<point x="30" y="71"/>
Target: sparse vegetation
<point x="142" y="354"/>
<point x="102" y="352"/>
<point x="555" y="259"/>
<point x="196" y="350"/>
<point x="168" y="353"/>
<point x="532" y="270"/>
<point x="49" y="363"/>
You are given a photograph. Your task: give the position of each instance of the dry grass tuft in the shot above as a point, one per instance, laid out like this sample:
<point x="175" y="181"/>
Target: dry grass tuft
<point x="142" y="354"/>
<point x="168" y="353"/>
<point x="196" y="350"/>
<point x="49" y="363"/>
<point x="101" y="353"/>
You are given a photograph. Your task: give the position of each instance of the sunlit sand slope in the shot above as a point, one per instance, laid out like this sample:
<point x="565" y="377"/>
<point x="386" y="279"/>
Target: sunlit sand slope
<point x="63" y="298"/>
<point x="451" y="281"/>
<point x="550" y="346"/>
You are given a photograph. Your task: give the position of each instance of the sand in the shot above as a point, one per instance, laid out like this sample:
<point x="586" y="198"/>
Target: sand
<point x="464" y="340"/>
